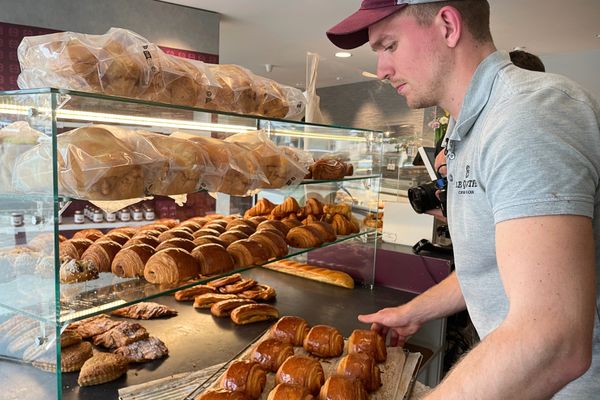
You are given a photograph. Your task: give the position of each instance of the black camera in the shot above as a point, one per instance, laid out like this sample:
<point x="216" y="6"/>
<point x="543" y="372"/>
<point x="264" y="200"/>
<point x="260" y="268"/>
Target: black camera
<point x="423" y="198"/>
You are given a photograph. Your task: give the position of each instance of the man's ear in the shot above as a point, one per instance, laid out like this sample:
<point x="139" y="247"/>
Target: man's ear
<point x="451" y="25"/>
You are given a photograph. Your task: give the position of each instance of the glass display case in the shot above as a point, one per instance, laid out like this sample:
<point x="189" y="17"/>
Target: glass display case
<point x="35" y="307"/>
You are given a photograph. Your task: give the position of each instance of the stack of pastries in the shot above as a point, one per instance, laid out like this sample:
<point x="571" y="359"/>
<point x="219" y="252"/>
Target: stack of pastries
<point x="293" y="352"/>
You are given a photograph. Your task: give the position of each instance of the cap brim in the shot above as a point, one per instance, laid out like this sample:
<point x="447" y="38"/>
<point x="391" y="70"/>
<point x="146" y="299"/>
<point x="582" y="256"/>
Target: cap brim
<point x="354" y="30"/>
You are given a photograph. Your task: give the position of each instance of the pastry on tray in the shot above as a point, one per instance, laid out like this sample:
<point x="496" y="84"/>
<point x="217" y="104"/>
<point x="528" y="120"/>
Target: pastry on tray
<point x="253" y="313"/>
<point x="190" y="293"/>
<point x="369" y="342"/>
<point x="362" y="367"/>
<point x="143" y="350"/>
<point x="208" y="299"/>
<point x="302" y="371"/>
<point x="225" y="307"/>
<point x="342" y="388"/>
<point x="290" y="329"/>
<point x="271" y="353"/>
<point x="245" y="376"/>
<point x="102" y="368"/>
<point x="122" y="334"/>
<point x="145" y="310"/>
<point x="324" y="341"/>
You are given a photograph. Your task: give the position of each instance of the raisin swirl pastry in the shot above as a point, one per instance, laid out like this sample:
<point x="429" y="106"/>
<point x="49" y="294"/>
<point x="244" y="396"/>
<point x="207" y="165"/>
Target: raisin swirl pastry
<point x="285" y="391"/>
<point x="271" y="353"/>
<point x="324" y="341"/>
<point x="362" y="367"/>
<point x="369" y="342"/>
<point x="246" y="377"/>
<point x="302" y="371"/>
<point x="290" y="329"/>
<point x="342" y="388"/>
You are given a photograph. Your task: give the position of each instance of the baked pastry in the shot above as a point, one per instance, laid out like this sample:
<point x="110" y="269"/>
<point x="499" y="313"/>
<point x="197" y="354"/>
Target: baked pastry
<point x="369" y="342"/>
<point x="69" y="337"/>
<point x="130" y="261"/>
<point x="72" y="271"/>
<point x="74" y="248"/>
<point x="258" y="219"/>
<point x="93" y="326"/>
<point x="240" y="221"/>
<point x="312" y="272"/>
<point x="285" y="391"/>
<point x="222" y="394"/>
<point x="72" y="358"/>
<point x="206" y="232"/>
<point x="179" y="243"/>
<point x="278" y="225"/>
<point x="170" y="266"/>
<point x="290" y="329"/>
<point x="302" y="371"/>
<point x="342" y="225"/>
<point x="327" y="169"/>
<point x="125" y="230"/>
<point x="245" y="376"/>
<point x="168" y="222"/>
<point x="258" y="292"/>
<point x="274" y="243"/>
<point x="117" y="236"/>
<point x="190" y="293"/>
<point x="312" y="207"/>
<point x="223" y="308"/>
<point x="232" y="236"/>
<point x="191" y="225"/>
<point x="219" y="220"/>
<point x="206" y="300"/>
<point x="324" y="341"/>
<point x="212" y="259"/>
<point x="247" y="252"/>
<point x="175" y="233"/>
<point x="91" y="234"/>
<point x="198" y="220"/>
<point x="289" y="206"/>
<point x="122" y="334"/>
<point x="326" y="229"/>
<point x="363" y="367"/>
<point x="209" y="239"/>
<point x="338" y="387"/>
<point x="154" y="227"/>
<point x="291" y="223"/>
<point x="305" y="236"/>
<point x="143" y="350"/>
<point x="271" y="353"/>
<point x="262" y="207"/>
<point x="226" y="280"/>
<point x="253" y="313"/>
<point x="146" y="237"/>
<point x="238" y="286"/>
<point x="215" y="226"/>
<point x="102" y="368"/>
<point x="145" y="310"/>
<point x="342" y="208"/>
<point x="101" y="254"/>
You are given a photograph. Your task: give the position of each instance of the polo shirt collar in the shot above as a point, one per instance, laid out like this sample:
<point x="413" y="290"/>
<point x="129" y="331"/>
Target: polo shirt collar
<point x="478" y="93"/>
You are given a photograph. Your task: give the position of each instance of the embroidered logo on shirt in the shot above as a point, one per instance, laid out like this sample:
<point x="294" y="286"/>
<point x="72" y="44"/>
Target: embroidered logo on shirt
<point x="466" y="186"/>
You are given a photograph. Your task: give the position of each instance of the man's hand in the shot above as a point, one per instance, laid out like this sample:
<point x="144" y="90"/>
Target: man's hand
<point x="397" y="321"/>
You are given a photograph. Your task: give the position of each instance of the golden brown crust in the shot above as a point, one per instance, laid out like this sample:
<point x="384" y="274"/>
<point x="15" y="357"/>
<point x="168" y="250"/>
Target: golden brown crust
<point x="130" y="261"/>
<point x="175" y="233"/>
<point x="342" y="225"/>
<point x="259" y="293"/>
<point x="324" y="341"/>
<point x="274" y="243"/>
<point x="212" y="259"/>
<point x="327" y="169"/>
<point x="101" y="253"/>
<point x="122" y="334"/>
<point x="262" y="207"/>
<point x="341" y="388"/>
<point x="362" y="367"/>
<point x="290" y="329"/>
<point x="289" y="206"/>
<point x="206" y="232"/>
<point x="73" y="357"/>
<point x="312" y="272"/>
<point x="222" y="394"/>
<point x="285" y="391"/>
<point x="102" y="368"/>
<point x="170" y="266"/>
<point x="90" y="234"/>
<point x="215" y="226"/>
<point x="304" y="237"/>
<point x="74" y="248"/>
<point x="232" y="236"/>
<point x="369" y="342"/>
<point x="279" y="225"/>
<point x="326" y="229"/>
<point x="179" y="243"/>
<point x="145" y="310"/>
<point x="247" y="252"/>
<point x="245" y="376"/>
<point x="225" y="307"/>
<point x="206" y="300"/>
<point x="271" y="353"/>
<point x="303" y="371"/>
<point x="146" y="237"/>
<point x="253" y="313"/>
<point x="190" y="294"/>
<point x="238" y="287"/>
<point x="192" y="225"/>
<point x="226" y="280"/>
<point x="209" y="239"/>
<point x="116" y="236"/>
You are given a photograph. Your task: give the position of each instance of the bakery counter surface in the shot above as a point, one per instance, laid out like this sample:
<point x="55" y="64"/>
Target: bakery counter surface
<point x="197" y="340"/>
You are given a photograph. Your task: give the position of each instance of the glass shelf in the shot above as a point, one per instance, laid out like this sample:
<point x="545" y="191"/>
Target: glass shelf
<point x="107" y="293"/>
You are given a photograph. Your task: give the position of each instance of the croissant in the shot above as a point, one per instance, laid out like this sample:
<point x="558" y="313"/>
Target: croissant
<point x="245" y="376"/>
<point x="73" y="248"/>
<point x="343" y="388"/>
<point x="327" y="169"/>
<point x="116" y="236"/>
<point x="247" y="252"/>
<point x="209" y="239"/>
<point x="342" y="225"/>
<point x="258" y="219"/>
<point x="262" y="207"/>
<point x="291" y="223"/>
<point x="304" y="237"/>
<point x="170" y="266"/>
<point x="273" y="224"/>
<point x="285" y="391"/>
<point x="290" y="329"/>
<point x="212" y="259"/>
<point x="90" y="234"/>
<point x="232" y="236"/>
<point x="144" y="238"/>
<point x="179" y="243"/>
<point x="326" y="229"/>
<point x="272" y="242"/>
<point x="224" y="307"/>
<point x="312" y="207"/>
<point x="222" y="394"/>
<point x="289" y="206"/>
<point x="271" y="353"/>
<point x="130" y="261"/>
<point x="362" y="367"/>
<point x="253" y="313"/>
<point x="302" y="371"/>
<point x="369" y="342"/>
<point x="240" y="221"/>
<point x="324" y="341"/>
<point x="173" y="233"/>
<point x="101" y="254"/>
<point x="343" y="209"/>
<point x="190" y="293"/>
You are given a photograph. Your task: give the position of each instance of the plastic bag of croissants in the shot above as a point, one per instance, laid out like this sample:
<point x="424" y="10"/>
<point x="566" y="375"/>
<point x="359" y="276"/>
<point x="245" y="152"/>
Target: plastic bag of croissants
<point x="123" y="63"/>
<point x="102" y="162"/>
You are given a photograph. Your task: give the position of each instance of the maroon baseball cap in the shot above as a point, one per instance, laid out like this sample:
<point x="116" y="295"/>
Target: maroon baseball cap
<point x="354" y="30"/>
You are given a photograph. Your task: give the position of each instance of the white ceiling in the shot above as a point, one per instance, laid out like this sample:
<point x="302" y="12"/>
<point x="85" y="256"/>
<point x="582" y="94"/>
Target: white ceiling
<point x="281" y="32"/>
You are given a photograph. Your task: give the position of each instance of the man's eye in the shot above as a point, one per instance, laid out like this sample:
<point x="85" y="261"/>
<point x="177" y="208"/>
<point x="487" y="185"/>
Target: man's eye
<point x="390" y="47"/>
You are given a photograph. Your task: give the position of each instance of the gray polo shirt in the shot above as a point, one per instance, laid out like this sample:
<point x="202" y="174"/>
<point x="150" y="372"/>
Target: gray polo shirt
<point x="525" y="144"/>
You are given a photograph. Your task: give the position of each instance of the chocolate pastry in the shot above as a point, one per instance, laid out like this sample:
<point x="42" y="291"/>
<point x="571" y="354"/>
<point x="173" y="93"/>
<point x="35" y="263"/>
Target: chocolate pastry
<point x="369" y="342"/>
<point x="342" y="388"/>
<point x="200" y="240"/>
<point x="130" y="261"/>
<point x="245" y="376"/>
<point x="175" y="233"/>
<point x="232" y="236"/>
<point x="223" y="308"/>
<point x="247" y="252"/>
<point x="121" y="335"/>
<point x="145" y="310"/>
<point x="206" y="300"/>
<point x="190" y="293"/>
<point x="274" y="243"/>
<point x="290" y="329"/>
<point x="90" y="234"/>
<point x="143" y="350"/>
<point x="101" y="253"/>
<point x="302" y="371"/>
<point x="253" y="313"/>
<point x="362" y="367"/>
<point x="170" y="266"/>
<point x="212" y="259"/>
<point x="179" y="243"/>
<point x="238" y="287"/>
<point x="324" y="341"/>
<point x="271" y="353"/>
<point x="285" y="391"/>
<point x="222" y="394"/>
<point x="93" y="326"/>
<point x="259" y="292"/>
<point x="226" y="280"/>
<point x="271" y="223"/>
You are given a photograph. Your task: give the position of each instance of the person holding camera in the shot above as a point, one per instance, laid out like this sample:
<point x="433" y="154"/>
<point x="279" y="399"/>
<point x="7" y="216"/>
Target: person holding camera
<point x="523" y="171"/>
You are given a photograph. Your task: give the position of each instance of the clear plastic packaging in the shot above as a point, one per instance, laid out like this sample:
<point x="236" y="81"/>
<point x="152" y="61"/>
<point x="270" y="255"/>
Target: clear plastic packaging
<point x="15" y="139"/>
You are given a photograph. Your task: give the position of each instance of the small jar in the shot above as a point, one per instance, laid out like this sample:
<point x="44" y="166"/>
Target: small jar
<point x="37" y="219"/>
<point x="78" y="217"/>
<point x="125" y="215"/>
<point x="16" y="219"/>
<point x="149" y="214"/>
<point x="137" y="214"/>
<point x="97" y="216"/>
<point x="110" y="217"/>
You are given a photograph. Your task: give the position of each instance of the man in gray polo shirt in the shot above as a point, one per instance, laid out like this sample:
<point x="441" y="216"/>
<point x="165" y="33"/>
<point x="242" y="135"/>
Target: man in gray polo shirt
<point x="523" y="158"/>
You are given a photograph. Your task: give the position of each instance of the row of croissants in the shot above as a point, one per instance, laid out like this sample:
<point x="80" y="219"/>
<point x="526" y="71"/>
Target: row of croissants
<point x="167" y="251"/>
<point x="303" y="377"/>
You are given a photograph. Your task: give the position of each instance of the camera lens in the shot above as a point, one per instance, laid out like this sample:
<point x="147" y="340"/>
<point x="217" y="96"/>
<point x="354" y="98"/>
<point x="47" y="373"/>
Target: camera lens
<point x="423" y="198"/>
